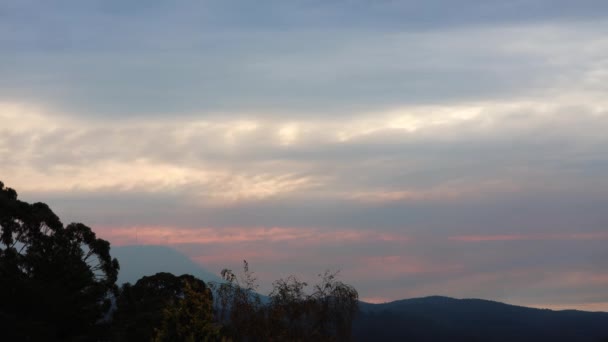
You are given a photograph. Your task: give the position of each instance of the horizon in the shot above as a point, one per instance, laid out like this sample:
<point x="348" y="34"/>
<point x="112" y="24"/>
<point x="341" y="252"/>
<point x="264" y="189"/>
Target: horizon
<point x="420" y="149"/>
<point x="203" y="273"/>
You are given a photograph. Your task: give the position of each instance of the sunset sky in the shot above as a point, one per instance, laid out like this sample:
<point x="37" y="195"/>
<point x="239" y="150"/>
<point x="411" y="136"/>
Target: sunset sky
<point x="453" y="148"/>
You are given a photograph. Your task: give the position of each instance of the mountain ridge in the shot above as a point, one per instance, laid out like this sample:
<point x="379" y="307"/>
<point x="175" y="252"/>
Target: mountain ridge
<point x="439" y="318"/>
<point x="440" y="298"/>
<point x="137" y="261"/>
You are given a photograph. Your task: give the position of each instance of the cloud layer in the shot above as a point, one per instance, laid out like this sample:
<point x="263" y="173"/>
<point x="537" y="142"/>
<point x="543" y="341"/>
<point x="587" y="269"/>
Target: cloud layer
<point x="422" y="149"/>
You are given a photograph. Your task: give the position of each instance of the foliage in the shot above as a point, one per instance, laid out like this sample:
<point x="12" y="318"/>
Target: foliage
<point x="324" y="315"/>
<point x="291" y="314"/>
<point x="191" y="319"/>
<point x="238" y="305"/>
<point x="335" y="305"/>
<point x="141" y="307"/>
<point x="55" y="281"/>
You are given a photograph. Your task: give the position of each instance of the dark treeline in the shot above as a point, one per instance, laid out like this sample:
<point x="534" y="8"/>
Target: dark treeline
<point x="58" y="283"/>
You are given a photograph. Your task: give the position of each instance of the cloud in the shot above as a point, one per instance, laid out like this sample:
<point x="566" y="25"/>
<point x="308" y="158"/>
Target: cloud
<point x="454" y="151"/>
<point x="208" y="60"/>
<point x="230" y="160"/>
<point x="518" y="237"/>
<point x="231" y="236"/>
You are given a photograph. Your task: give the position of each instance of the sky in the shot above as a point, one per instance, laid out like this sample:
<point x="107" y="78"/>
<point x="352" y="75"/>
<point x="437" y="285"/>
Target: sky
<point x="451" y="148"/>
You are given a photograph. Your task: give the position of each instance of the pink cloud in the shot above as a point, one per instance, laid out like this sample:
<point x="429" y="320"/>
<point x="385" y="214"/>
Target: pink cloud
<point x="525" y="237"/>
<point x="402" y="265"/>
<point x="171" y="235"/>
<point x="275" y="252"/>
<point x="231" y="258"/>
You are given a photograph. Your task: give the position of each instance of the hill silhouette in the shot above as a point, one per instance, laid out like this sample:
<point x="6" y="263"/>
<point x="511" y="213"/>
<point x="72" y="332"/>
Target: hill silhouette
<point x="439" y="318"/>
<point x="137" y="261"/>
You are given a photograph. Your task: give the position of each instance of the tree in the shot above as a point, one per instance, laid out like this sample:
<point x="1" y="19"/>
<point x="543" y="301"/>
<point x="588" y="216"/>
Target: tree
<point x="290" y="310"/>
<point x="335" y="305"/>
<point x="324" y="315"/>
<point x="157" y="301"/>
<point x="55" y="281"/>
<point x="291" y="314"/>
<point x="239" y="307"/>
<point x="190" y="320"/>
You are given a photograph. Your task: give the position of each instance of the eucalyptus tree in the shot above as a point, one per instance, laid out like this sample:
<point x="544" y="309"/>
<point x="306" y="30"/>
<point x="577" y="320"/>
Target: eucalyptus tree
<point x="56" y="281"/>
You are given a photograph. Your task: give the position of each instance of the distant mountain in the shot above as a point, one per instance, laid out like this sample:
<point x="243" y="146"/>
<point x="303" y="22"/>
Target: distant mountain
<point x="138" y="261"/>
<point x="448" y="319"/>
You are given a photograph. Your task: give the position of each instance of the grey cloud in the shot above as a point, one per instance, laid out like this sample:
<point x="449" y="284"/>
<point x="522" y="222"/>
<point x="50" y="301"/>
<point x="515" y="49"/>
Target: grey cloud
<point x="118" y="61"/>
<point x="550" y="212"/>
<point x="361" y="13"/>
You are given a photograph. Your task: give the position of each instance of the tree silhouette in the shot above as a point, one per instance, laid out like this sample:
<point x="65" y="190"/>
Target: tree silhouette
<point x="191" y="319"/>
<point x="290" y="309"/>
<point x="291" y="314"/>
<point x="155" y="301"/>
<point x="55" y="281"/>
<point x="324" y="315"/>
<point x="335" y="305"/>
<point x="239" y="307"/>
